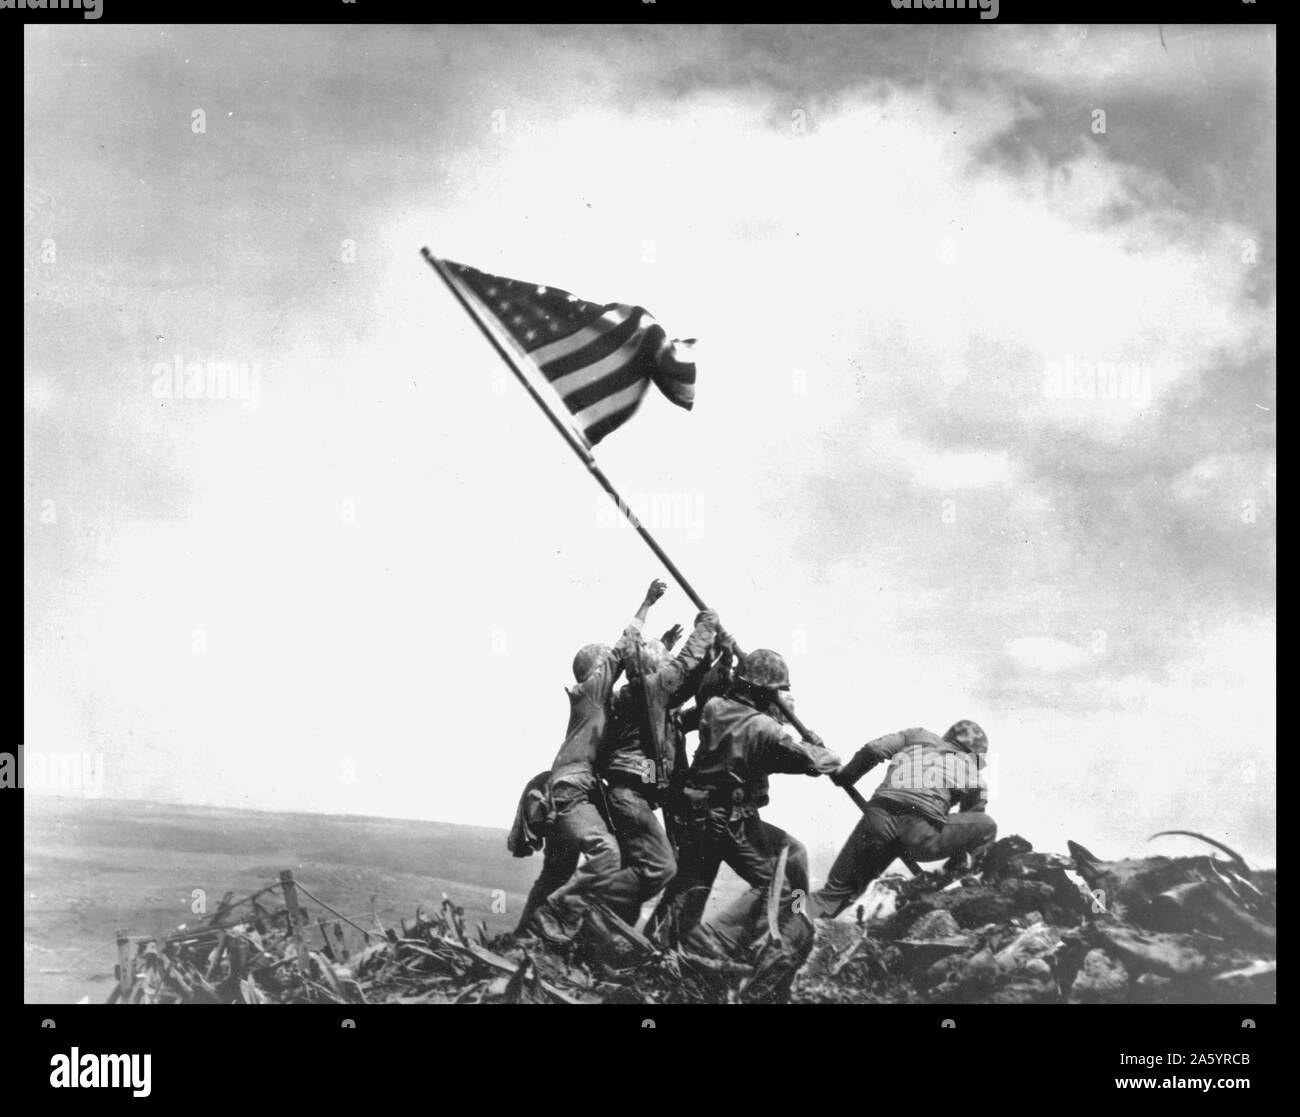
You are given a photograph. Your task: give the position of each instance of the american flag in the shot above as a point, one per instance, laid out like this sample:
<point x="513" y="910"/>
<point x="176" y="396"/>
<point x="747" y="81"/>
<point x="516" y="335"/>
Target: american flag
<point x="600" y="360"/>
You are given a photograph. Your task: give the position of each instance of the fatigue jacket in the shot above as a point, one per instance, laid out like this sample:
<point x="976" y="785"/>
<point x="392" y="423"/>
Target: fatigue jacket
<point x="741" y="746"/>
<point x="589" y="712"/>
<point x="926" y="776"/>
<point x="648" y="707"/>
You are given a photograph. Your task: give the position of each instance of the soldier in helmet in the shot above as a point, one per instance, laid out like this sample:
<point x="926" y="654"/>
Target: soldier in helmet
<point x="579" y="838"/>
<point x="644" y="748"/>
<point x="743" y="740"/>
<point x="909" y="813"/>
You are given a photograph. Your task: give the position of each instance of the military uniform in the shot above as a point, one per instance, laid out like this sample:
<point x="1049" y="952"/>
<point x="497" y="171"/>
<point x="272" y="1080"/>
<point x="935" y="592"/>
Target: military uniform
<point x="579" y="838"/>
<point x="909" y="813"/>
<point x="644" y="748"/>
<point x="718" y="821"/>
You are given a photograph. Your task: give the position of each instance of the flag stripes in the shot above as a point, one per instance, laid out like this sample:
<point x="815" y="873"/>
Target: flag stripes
<point x="599" y="360"/>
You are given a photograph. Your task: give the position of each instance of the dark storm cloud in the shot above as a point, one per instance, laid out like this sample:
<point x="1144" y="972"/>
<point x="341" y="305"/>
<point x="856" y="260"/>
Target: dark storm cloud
<point x="1153" y="516"/>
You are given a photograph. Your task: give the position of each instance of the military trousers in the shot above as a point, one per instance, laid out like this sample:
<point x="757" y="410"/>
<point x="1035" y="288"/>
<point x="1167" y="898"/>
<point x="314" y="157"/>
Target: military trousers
<point x="882" y="834"/>
<point x="646" y="853"/>
<point x="581" y="842"/>
<point x="750" y="847"/>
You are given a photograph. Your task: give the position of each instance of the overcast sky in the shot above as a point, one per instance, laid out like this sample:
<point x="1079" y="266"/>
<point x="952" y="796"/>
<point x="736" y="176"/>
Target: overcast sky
<point x="357" y="583"/>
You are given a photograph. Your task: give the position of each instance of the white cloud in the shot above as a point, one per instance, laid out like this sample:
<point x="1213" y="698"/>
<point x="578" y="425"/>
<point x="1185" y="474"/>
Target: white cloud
<point x="963" y="471"/>
<point x="1227" y="478"/>
<point x="1045" y="654"/>
<point x="913" y="287"/>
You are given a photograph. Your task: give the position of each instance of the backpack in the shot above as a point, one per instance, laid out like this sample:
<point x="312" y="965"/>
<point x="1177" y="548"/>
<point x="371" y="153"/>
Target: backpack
<point x="533" y="817"/>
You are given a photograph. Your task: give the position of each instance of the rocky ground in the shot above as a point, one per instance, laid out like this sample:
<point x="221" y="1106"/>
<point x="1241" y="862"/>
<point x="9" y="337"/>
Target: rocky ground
<point x="1023" y="927"/>
<point x="1015" y="926"/>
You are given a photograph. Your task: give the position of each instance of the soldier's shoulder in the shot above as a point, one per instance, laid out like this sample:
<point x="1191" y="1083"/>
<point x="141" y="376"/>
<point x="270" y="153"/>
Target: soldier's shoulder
<point x="920" y="736"/>
<point x="763" y="723"/>
<point x="721" y="708"/>
<point x="714" y="706"/>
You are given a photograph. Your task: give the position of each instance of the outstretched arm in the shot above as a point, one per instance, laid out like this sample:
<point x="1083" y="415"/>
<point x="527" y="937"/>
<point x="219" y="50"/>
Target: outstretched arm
<point x="653" y="594"/>
<point x="868" y="756"/>
<point x="600" y="683"/>
<point x="781" y="753"/>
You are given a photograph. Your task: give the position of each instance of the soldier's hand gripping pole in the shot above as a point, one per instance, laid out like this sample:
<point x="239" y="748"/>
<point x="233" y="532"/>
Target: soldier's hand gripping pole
<point x="578" y="444"/>
<point x="808" y="735"/>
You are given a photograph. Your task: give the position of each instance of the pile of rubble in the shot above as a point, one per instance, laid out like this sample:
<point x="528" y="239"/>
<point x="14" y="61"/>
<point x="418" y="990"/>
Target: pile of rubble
<point x="1012" y="927"/>
<point x="267" y="955"/>
<point x="1021" y="927"/>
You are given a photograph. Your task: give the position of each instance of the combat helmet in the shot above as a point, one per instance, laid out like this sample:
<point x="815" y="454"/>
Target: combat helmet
<point x="764" y="668"/>
<point x="588" y="656"/>
<point x="969" y="736"/>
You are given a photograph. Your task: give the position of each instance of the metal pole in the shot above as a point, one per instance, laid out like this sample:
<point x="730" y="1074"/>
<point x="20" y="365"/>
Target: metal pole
<point x="567" y="432"/>
<point x="576" y="444"/>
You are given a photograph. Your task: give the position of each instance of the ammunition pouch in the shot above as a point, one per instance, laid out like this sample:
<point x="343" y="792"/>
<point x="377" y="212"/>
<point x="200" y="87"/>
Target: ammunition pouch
<point x="738" y="803"/>
<point x="710" y="810"/>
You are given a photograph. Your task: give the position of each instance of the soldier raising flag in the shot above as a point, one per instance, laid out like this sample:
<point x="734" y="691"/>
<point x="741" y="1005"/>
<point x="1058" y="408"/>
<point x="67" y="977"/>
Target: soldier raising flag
<point x="588" y="366"/>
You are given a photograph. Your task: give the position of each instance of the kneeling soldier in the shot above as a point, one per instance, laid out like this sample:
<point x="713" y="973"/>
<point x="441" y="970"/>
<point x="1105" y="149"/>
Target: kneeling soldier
<point x="908" y="815"/>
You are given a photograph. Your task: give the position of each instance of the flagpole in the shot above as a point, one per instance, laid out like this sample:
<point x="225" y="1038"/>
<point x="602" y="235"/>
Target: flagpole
<point x="566" y="431"/>
<point x="579" y="447"/>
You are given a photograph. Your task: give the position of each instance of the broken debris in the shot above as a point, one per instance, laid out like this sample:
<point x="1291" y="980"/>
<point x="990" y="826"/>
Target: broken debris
<point x="1015" y="926"/>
